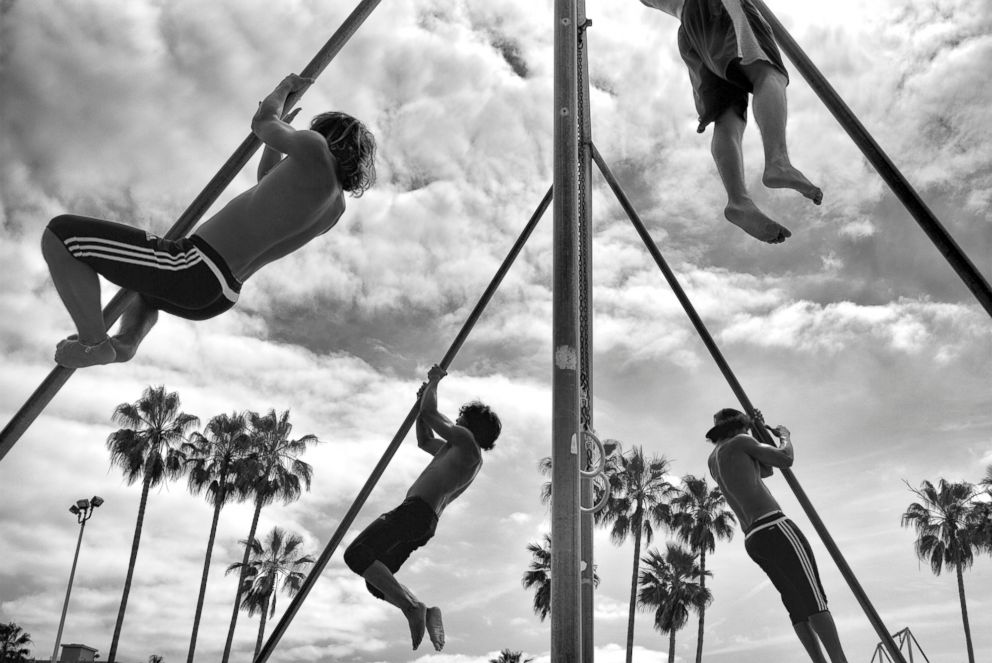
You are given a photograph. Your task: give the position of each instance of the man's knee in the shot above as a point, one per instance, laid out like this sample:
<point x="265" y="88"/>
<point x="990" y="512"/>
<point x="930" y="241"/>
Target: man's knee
<point x="762" y="73"/>
<point x="52" y="245"/>
<point x="359" y="558"/>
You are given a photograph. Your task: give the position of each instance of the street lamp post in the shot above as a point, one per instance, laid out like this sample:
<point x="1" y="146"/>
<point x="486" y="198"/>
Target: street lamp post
<point x="83" y="510"/>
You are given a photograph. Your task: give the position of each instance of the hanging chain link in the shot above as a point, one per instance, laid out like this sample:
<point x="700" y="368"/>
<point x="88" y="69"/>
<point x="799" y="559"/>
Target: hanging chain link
<point x="585" y="241"/>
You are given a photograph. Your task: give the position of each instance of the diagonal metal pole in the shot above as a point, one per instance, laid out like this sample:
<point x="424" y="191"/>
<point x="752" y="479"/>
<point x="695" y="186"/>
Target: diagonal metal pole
<point x="50" y="386"/>
<point x="387" y="456"/>
<point x="949" y="248"/>
<point x="745" y="402"/>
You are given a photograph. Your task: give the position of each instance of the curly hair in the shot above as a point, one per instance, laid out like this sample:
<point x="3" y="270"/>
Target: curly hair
<point x="483" y="423"/>
<point x="353" y="147"/>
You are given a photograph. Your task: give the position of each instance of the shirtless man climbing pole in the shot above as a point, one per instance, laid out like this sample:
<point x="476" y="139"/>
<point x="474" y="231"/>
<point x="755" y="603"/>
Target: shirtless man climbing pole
<point x="738" y="463"/>
<point x="379" y="551"/>
<point x="296" y="199"/>
<point x="730" y="51"/>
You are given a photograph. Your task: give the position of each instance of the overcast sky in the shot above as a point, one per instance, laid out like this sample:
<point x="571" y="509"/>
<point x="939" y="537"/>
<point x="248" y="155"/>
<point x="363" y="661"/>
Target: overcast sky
<point x="855" y="333"/>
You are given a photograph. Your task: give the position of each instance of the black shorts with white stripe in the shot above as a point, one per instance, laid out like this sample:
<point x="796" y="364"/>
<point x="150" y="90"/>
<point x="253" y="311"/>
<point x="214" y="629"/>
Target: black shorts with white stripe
<point x="783" y="553"/>
<point x="185" y="277"/>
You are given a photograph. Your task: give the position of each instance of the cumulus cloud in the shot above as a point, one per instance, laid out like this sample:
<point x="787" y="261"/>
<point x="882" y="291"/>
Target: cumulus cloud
<point x="855" y="332"/>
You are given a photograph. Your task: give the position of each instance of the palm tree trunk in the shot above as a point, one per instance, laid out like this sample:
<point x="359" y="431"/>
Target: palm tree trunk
<point x="671" y="646"/>
<point x="702" y="609"/>
<point x="633" y="585"/>
<point x="145" y="485"/>
<point x="964" y="615"/>
<point x="241" y="582"/>
<point x="203" y="579"/>
<point x="261" y="628"/>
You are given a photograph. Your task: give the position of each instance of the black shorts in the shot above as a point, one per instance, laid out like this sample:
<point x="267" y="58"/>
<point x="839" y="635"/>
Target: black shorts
<point x="391" y="538"/>
<point x="713" y="50"/>
<point x="783" y="553"/>
<point x="185" y="277"/>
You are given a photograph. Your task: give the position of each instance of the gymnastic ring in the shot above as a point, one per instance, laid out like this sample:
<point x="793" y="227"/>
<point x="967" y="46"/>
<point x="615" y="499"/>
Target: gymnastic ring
<point x="601" y="465"/>
<point x="596" y="508"/>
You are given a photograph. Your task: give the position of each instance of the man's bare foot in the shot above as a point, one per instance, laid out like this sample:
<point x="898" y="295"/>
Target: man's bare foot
<point x="435" y="629"/>
<point x="746" y="216"/>
<point x="787" y="177"/>
<point x="123" y="348"/>
<point x="417" y="617"/>
<point x="73" y="353"/>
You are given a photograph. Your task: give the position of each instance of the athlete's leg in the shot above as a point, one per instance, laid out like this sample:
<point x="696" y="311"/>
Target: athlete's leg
<point x="380" y="577"/>
<point x="728" y="132"/>
<point x="79" y="288"/>
<point x="137" y="321"/>
<point x="808" y="638"/>
<point x="823" y="624"/>
<point x="771" y="113"/>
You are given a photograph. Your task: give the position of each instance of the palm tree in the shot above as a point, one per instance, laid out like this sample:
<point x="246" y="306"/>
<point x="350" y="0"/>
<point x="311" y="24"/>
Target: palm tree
<point x="942" y="537"/>
<point x="639" y="501"/>
<point x="275" y="473"/>
<point x="277" y="560"/>
<point x="700" y="517"/>
<point x="156" y="658"/>
<point x="147" y="447"/>
<point x="509" y="656"/>
<point x="216" y="465"/>
<point x="668" y="584"/>
<point x="538" y="576"/>
<point x="14" y="644"/>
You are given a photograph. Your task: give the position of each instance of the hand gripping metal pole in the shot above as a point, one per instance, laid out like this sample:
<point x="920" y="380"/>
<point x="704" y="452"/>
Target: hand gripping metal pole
<point x="363" y="494"/>
<point x="745" y="402"/>
<point x="50" y="386"/>
<point x="960" y="262"/>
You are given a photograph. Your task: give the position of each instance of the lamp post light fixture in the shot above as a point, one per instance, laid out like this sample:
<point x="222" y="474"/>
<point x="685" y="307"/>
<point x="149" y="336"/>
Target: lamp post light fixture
<point x="83" y="510"/>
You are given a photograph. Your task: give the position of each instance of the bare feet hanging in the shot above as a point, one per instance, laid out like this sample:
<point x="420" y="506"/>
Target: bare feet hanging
<point x="417" y="617"/>
<point x="777" y="176"/>
<point x="435" y="629"/>
<point x="73" y="353"/>
<point x="746" y="216"/>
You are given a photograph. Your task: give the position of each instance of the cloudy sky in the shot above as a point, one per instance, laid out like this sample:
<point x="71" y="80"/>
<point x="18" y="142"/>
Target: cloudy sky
<point x="855" y="333"/>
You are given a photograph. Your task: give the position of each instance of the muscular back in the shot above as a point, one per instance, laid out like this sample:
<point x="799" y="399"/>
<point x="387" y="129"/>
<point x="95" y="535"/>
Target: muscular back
<point x="738" y="473"/>
<point x="297" y="200"/>
<point x="449" y="473"/>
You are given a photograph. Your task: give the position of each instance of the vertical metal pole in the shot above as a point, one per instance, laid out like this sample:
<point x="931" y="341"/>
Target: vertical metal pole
<point x="566" y="635"/>
<point x="587" y="567"/>
<point x="68" y="591"/>
<point x="928" y="222"/>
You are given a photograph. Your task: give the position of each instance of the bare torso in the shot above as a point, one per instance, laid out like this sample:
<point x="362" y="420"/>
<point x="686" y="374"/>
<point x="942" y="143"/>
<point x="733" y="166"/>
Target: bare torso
<point x="739" y="476"/>
<point x="290" y="206"/>
<point x="449" y="473"/>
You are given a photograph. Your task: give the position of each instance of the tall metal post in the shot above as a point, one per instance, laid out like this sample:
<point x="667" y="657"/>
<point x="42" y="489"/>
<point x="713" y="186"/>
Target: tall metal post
<point x="587" y="569"/>
<point x="566" y="627"/>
